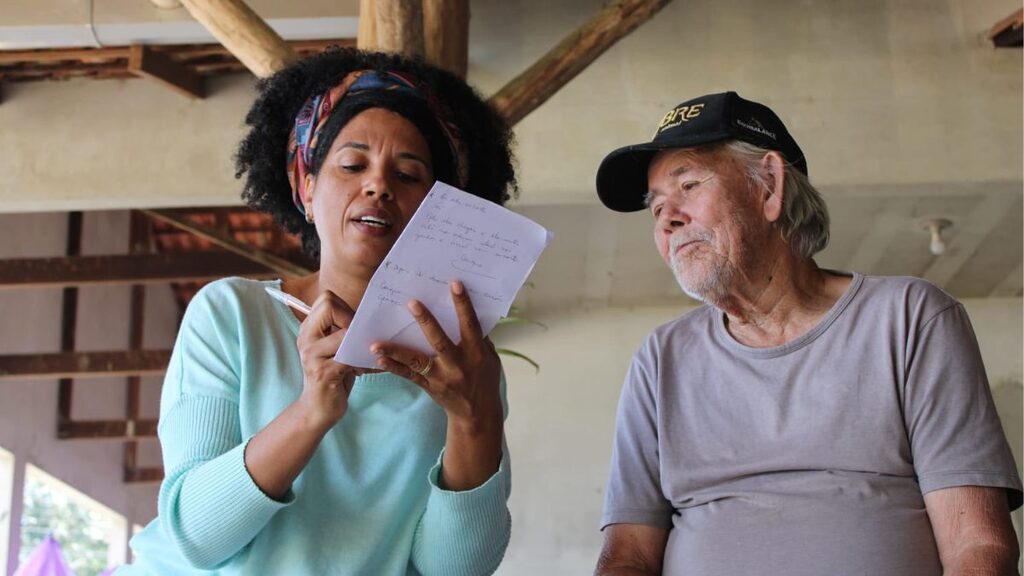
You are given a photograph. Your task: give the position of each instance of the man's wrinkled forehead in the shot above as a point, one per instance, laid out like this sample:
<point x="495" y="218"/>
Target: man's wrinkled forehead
<point x="681" y="160"/>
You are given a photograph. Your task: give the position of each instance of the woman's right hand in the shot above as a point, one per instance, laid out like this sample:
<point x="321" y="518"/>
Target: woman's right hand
<point x="326" y="383"/>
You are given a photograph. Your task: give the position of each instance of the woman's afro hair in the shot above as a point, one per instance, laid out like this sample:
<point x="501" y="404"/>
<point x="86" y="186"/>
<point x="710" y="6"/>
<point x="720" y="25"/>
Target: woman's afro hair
<point x="262" y="154"/>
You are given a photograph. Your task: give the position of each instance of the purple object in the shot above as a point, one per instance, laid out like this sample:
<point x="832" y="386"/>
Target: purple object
<point x="45" y="560"/>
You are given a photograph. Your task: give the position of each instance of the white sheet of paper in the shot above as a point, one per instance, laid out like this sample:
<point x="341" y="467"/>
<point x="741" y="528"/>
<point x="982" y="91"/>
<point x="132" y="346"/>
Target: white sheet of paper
<point x="452" y="236"/>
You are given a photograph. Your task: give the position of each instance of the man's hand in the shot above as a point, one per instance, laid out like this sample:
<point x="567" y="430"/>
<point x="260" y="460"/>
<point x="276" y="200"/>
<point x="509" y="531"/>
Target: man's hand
<point x="972" y="530"/>
<point x="632" y="550"/>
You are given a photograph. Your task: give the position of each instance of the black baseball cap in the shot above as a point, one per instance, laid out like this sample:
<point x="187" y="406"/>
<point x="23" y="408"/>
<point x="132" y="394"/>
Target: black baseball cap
<point x="622" y="177"/>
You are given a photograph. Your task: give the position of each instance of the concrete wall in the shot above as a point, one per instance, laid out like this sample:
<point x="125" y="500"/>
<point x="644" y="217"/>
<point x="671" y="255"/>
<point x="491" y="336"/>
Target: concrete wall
<point x="562" y="420"/>
<point x="876" y="92"/>
<point x="30" y="322"/>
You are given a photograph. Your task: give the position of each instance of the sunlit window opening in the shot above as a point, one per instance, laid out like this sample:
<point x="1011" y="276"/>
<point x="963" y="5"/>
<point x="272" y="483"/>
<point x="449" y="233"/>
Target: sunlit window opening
<point x="6" y="486"/>
<point x="92" y="537"/>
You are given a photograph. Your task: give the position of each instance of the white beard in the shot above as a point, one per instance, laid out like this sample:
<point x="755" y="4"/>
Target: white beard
<point x="716" y="281"/>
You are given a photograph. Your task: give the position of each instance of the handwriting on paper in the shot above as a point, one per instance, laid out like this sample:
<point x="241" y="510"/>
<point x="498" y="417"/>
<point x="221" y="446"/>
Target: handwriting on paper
<point x="452" y="236"/>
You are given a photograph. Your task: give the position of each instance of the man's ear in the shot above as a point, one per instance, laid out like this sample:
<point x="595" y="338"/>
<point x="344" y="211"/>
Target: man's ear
<point x="774" y="172"/>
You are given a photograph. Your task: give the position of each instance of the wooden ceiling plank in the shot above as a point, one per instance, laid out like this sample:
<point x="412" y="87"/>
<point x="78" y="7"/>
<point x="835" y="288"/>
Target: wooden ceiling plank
<point x="399" y="26"/>
<point x="575" y="52"/>
<point x="126" y="269"/>
<point x="244" y="33"/>
<point x="147" y="63"/>
<point x="446" y="34"/>
<point x="967" y="235"/>
<point x="83" y="364"/>
<point x="275" y="263"/>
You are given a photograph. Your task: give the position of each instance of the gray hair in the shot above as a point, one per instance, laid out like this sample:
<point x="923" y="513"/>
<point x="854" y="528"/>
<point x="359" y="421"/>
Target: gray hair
<point x="804" y="221"/>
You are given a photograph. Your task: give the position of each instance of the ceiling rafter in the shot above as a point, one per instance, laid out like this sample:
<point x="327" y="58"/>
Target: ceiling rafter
<point x="526" y="92"/>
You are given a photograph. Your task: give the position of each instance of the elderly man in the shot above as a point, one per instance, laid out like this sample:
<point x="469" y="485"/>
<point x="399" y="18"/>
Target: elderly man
<point x="804" y="421"/>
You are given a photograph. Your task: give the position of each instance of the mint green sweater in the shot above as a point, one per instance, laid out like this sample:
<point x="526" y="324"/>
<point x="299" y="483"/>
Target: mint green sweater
<point x="368" y="502"/>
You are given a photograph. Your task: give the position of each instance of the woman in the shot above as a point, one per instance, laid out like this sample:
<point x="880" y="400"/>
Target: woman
<point x="281" y="461"/>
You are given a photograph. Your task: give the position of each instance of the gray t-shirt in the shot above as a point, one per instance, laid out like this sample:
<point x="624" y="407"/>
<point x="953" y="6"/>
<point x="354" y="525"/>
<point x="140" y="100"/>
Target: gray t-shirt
<point x="809" y="458"/>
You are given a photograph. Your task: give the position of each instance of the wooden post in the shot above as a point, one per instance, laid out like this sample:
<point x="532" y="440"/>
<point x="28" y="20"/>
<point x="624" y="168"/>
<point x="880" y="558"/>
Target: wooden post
<point x="399" y="26"/>
<point x="446" y="34"/>
<point x="69" y="315"/>
<point x="138" y="243"/>
<point x="577" y="50"/>
<point x="367" y="36"/>
<point x="244" y="33"/>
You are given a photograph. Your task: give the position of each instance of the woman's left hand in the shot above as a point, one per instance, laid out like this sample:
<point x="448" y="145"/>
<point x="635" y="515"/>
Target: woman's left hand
<point x="462" y="378"/>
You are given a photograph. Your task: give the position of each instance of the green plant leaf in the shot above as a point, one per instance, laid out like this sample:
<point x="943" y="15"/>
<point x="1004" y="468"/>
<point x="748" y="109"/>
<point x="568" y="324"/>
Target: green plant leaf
<point x="521" y="356"/>
<point x="520" y="320"/>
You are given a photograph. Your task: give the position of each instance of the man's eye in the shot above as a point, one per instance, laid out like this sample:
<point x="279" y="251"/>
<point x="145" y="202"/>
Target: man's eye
<point x="691" y="184"/>
<point x="351" y="167"/>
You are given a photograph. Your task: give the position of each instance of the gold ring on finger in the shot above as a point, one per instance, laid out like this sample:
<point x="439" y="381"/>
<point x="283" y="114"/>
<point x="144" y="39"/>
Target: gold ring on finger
<point x="426" y="367"/>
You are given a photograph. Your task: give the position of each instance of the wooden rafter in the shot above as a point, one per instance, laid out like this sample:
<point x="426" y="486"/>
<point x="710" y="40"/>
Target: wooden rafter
<point x="126" y="269"/>
<point x="243" y="33"/>
<point x="83" y="364"/>
<point x="1009" y="31"/>
<point x="145" y="62"/>
<point x="222" y="239"/>
<point x="574" y="53"/>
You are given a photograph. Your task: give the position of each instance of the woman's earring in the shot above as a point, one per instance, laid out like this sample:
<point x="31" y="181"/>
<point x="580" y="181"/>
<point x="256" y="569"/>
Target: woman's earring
<point x="309" y="216"/>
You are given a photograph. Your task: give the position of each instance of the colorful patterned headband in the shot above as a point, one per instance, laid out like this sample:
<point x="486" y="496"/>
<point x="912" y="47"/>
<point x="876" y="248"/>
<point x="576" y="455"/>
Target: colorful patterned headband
<point x="313" y="116"/>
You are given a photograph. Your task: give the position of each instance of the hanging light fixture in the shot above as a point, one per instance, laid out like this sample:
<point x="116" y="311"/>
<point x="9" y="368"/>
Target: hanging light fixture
<point x="935" y="226"/>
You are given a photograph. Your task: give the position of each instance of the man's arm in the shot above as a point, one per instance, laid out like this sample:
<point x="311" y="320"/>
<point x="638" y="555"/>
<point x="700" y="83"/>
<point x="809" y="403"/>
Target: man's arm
<point x="632" y="550"/>
<point x="972" y="530"/>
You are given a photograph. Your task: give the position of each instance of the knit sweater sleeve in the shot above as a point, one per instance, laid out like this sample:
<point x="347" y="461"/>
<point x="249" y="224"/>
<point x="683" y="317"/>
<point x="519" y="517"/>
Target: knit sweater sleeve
<point x="465" y="533"/>
<point x="209" y="505"/>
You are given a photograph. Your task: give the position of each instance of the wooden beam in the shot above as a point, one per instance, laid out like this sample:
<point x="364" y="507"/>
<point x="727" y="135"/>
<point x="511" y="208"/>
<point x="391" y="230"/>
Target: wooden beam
<point x="574" y="53"/>
<point x="145" y="62"/>
<point x="446" y="34"/>
<point x="366" y="38"/>
<point x="399" y="26"/>
<point x="142" y="475"/>
<point x="139" y="242"/>
<point x="69" y="318"/>
<point x="107" y="430"/>
<point x="1009" y="31"/>
<point x="275" y="263"/>
<point x="83" y="364"/>
<point x="244" y="33"/>
<point x="126" y="269"/>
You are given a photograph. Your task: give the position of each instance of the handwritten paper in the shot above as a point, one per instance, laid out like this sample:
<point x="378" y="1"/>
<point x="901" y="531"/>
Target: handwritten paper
<point x="452" y="236"/>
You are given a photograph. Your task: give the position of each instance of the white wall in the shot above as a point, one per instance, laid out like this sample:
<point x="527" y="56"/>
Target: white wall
<point x="562" y="420"/>
<point x="30" y="322"/>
